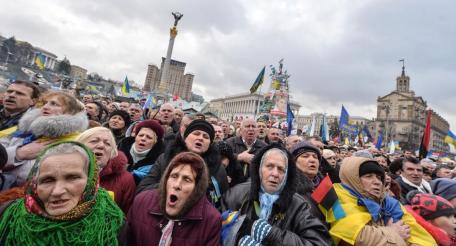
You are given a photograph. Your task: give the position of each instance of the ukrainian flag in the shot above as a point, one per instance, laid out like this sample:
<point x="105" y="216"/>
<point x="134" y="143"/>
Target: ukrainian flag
<point x="39" y="60"/>
<point x="451" y="138"/>
<point x="126" y="87"/>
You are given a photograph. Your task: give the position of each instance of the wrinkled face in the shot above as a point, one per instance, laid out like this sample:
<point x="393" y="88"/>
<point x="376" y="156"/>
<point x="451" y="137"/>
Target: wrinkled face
<point x="91" y="109"/>
<point x="18" y="98"/>
<point x="213" y="121"/>
<point x="52" y="106"/>
<point x="101" y="145"/>
<point x="292" y="140"/>
<point x="166" y="114"/>
<point x="135" y="112"/>
<point x="308" y="164"/>
<point x="179" y="187"/>
<point x="198" y="142"/>
<point x="178" y="114"/>
<point x="218" y="133"/>
<point x="145" y="139"/>
<point x="262" y="129"/>
<point x="372" y="184"/>
<point x="116" y="122"/>
<point x="61" y="182"/>
<point x="249" y="130"/>
<point x="412" y="172"/>
<point x="274" y="134"/>
<point x="273" y="172"/>
<point x="446" y="223"/>
<point x="124" y="106"/>
<point x="444" y="173"/>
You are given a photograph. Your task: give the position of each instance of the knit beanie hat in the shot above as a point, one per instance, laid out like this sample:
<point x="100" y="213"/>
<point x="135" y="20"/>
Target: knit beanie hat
<point x="124" y="115"/>
<point x="153" y="125"/>
<point x="431" y="206"/>
<point x="371" y="166"/>
<point x="303" y="147"/>
<point x="445" y="188"/>
<point x="201" y="125"/>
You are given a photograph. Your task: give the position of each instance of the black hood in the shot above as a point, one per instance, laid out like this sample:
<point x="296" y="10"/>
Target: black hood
<point x="286" y="195"/>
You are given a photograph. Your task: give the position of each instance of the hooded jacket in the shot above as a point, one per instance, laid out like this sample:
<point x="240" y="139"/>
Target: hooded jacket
<point x="114" y="177"/>
<point x="54" y="127"/>
<point x="199" y="224"/>
<point x="211" y="157"/>
<point x="358" y="227"/>
<point x="291" y="217"/>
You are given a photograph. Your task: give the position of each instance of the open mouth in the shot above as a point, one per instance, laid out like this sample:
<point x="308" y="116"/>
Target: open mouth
<point x="172" y="200"/>
<point x="198" y="145"/>
<point x="58" y="203"/>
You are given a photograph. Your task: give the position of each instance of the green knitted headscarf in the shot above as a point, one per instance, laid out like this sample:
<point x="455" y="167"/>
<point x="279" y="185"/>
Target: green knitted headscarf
<point x="96" y="220"/>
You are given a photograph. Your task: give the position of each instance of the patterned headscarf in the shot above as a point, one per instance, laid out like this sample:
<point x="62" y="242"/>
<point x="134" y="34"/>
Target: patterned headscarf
<point x="96" y="220"/>
<point x="34" y="205"/>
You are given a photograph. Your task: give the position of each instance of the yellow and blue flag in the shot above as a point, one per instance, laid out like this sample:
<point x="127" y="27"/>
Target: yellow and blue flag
<point x="126" y="87"/>
<point x="451" y="138"/>
<point x="39" y="60"/>
<point x="258" y="81"/>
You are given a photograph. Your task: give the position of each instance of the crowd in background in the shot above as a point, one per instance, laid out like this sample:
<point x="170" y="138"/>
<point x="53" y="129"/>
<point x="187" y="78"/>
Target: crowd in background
<point x="93" y="171"/>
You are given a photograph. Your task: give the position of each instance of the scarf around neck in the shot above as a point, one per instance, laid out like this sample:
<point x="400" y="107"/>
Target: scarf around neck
<point x="389" y="208"/>
<point x="95" y="220"/>
<point x="138" y="155"/>
<point x="424" y="187"/>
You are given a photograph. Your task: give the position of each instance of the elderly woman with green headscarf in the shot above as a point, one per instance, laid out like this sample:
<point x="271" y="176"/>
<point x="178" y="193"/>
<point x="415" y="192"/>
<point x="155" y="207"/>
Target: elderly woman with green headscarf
<point x="63" y="204"/>
<point x="366" y="216"/>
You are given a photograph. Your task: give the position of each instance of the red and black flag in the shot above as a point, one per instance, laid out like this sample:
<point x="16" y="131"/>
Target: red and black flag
<point x="424" y="146"/>
<point x="326" y="197"/>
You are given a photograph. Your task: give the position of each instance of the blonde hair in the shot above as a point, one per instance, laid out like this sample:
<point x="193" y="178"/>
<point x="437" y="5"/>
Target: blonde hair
<point x="71" y="105"/>
<point x="83" y="137"/>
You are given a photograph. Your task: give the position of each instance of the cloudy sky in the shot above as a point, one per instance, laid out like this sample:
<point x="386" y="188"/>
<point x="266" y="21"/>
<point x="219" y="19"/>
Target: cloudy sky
<point x="337" y="51"/>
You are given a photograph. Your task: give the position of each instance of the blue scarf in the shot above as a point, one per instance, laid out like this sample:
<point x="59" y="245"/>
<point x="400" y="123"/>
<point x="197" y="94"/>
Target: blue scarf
<point x="390" y="208"/>
<point x="27" y="136"/>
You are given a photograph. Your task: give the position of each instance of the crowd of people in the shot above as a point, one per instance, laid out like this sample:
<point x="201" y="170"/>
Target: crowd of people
<point x="93" y="171"/>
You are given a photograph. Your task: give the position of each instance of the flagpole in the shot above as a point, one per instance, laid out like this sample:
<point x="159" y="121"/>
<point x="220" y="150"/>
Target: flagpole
<point x="259" y="101"/>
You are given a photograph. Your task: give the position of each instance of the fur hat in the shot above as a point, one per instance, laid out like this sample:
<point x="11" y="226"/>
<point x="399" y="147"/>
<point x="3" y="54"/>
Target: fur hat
<point x="201" y="125"/>
<point x="151" y="124"/>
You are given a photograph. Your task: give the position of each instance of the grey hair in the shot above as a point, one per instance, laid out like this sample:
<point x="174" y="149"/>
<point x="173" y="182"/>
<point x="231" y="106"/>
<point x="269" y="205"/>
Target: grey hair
<point x="268" y="152"/>
<point x="67" y="148"/>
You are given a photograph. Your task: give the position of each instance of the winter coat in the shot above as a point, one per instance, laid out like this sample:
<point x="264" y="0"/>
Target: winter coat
<point x="151" y="157"/>
<point x="114" y="177"/>
<point x="291" y="217"/>
<point x="212" y="159"/>
<point x="238" y="147"/>
<point x="55" y="127"/>
<point x="406" y="188"/>
<point x="304" y="188"/>
<point x="145" y="221"/>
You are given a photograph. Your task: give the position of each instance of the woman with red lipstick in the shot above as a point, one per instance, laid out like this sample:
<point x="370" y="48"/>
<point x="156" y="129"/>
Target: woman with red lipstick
<point x="177" y="213"/>
<point x="143" y="150"/>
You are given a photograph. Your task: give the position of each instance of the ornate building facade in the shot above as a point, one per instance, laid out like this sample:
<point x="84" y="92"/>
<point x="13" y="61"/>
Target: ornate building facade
<point x="401" y="116"/>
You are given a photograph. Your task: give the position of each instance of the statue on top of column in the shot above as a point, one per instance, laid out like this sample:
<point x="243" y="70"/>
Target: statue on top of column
<point x="177" y="17"/>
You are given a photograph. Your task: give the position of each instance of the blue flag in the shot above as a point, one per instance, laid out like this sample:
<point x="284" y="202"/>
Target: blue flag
<point x="258" y="81"/>
<point x="290" y="118"/>
<point x="378" y="145"/>
<point x="344" y="118"/>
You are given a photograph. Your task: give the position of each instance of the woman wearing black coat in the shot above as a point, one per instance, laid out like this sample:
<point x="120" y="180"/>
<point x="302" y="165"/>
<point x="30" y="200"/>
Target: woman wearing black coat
<point x="198" y="138"/>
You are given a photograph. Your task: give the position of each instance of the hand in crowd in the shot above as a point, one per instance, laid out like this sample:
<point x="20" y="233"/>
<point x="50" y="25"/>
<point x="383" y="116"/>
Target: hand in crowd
<point x="245" y="157"/>
<point x="400" y="227"/>
<point x="30" y="151"/>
